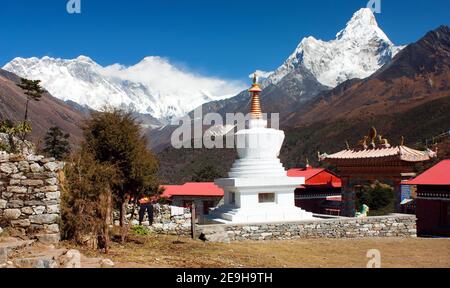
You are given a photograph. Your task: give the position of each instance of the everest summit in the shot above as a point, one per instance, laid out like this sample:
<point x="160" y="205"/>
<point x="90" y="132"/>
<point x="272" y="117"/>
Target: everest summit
<point x="153" y="86"/>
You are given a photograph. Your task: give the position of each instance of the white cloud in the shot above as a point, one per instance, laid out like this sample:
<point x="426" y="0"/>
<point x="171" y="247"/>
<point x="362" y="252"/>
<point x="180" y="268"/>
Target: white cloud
<point x="153" y="86"/>
<point x="158" y="74"/>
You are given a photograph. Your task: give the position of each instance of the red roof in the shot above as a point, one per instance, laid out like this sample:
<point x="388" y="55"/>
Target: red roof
<point x="436" y="175"/>
<point x="205" y="189"/>
<point x="316" y="177"/>
<point x="307" y="173"/>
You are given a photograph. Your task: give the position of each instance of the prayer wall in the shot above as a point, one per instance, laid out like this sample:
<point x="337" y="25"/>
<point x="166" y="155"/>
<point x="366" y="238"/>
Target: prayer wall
<point x="30" y="196"/>
<point x="396" y="225"/>
<point x="170" y="220"/>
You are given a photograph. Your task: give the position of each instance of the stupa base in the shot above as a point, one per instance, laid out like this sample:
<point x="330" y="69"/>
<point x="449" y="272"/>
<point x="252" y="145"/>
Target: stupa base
<point x="232" y="215"/>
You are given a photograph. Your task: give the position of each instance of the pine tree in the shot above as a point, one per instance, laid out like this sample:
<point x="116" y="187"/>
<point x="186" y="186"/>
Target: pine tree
<point x="33" y="90"/>
<point x="207" y="174"/>
<point x="86" y="206"/>
<point x="57" y="143"/>
<point x="114" y="138"/>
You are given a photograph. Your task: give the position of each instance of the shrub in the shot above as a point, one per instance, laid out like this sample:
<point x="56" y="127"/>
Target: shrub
<point x="377" y="196"/>
<point x="140" y="230"/>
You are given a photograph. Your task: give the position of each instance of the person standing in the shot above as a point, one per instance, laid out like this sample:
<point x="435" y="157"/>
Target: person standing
<point x="145" y="205"/>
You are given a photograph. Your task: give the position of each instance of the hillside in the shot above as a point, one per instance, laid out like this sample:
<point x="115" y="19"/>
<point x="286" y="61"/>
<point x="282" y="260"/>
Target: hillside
<point x="44" y="114"/>
<point x="409" y="97"/>
<point x="418" y="74"/>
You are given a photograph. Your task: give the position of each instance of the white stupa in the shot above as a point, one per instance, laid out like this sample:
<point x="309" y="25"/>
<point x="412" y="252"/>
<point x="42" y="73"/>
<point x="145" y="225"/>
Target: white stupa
<point x="258" y="189"/>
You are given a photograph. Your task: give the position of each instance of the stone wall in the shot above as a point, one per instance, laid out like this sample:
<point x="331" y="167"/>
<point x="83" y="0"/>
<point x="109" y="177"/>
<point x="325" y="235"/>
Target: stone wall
<point x="396" y="225"/>
<point x="30" y="195"/>
<point x="199" y="202"/>
<point x="163" y="221"/>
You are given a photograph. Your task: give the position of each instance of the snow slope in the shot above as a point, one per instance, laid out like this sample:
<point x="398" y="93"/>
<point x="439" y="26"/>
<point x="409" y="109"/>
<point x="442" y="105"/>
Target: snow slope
<point x="153" y="86"/>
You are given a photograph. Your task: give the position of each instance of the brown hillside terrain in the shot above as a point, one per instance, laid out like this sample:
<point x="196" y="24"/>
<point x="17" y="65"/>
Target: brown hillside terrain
<point x="418" y="74"/>
<point x="374" y="98"/>
<point x="44" y="114"/>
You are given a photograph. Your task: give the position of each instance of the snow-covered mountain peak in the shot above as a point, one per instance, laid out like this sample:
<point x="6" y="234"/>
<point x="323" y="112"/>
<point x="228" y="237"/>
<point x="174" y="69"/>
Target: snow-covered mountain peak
<point x="153" y="86"/>
<point x="362" y="25"/>
<point x="363" y="17"/>
<point x="359" y="50"/>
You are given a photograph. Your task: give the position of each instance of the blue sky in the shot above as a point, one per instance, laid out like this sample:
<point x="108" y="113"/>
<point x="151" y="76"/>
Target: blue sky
<point x="223" y="38"/>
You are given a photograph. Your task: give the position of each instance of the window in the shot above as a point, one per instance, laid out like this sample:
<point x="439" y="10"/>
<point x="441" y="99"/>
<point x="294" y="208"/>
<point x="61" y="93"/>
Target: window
<point x="206" y="206"/>
<point x="266" y="197"/>
<point x="232" y="198"/>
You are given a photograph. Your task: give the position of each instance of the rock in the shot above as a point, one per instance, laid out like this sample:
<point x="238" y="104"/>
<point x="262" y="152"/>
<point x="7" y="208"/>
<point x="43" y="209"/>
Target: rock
<point x="51" y="166"/>
<point x="11" y="214"/>
<point x="17" y="158"/>
<point x="8" y="168"/>
<point x="71" y="259"/>
<point x="53" y="195"/>
<point x="32" y="182"/>
<point x="24" y="166"/>
<point x="21" y="223"/>
<point x="3" y="204"/>
<point x="27" y="210"/>
<point x="215" y="234"/>
<point x="1" y="230"/>
<point x="41" y="262"/>
<point x="53" y="228"/>
<point x="7" y="195"/>
<point x="34" y="158"/>
<point x="47" y="160"/>
<point x="17" y="189"/>
<point x="18" y="176"/>
<point x="51" y="181"/>
<point x="44" y="219"/>
<point x="4" y="157"/>
<point x="39" y="210"/>
<point x="49" y="238"/>
<point x="3" y="255"/>
<point x="52" y="188"/>
<point x="36" y="168"/>
<point x="14" y="182"/>
<point x="219" y="237"/>
<point x="33" y="203"/>
<point x="53" y="209"/>
<point x="51" y="202"/>
<point x="106" y="263"/>
<point x="45" y="264"/>
<point x="15" y="204"/>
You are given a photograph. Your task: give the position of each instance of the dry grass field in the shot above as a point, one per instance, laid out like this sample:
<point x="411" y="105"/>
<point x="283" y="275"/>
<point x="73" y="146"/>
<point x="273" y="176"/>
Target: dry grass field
<point x="173" y="251"/>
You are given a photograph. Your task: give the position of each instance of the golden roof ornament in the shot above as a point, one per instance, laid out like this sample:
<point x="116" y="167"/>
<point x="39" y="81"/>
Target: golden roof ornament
<point x="256" y="112"/>
<point x="383" y="142"/>
<point x="372" y="136"/>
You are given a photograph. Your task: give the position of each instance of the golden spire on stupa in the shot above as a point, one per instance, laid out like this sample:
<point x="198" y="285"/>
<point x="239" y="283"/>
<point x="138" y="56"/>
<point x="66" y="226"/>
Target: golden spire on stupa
<point x="255" y="111"/>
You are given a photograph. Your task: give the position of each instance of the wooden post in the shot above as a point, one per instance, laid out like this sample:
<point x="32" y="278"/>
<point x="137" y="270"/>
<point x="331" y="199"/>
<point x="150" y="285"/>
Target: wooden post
<point x="348" y="198"/>
<point x="193" y="220"/>
<point x="398" y="194"/>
